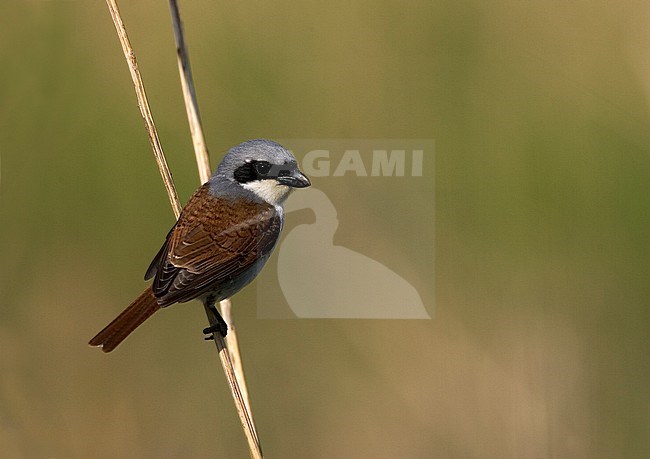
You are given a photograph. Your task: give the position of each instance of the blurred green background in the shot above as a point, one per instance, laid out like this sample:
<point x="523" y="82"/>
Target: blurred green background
<point x="539" y="345"/>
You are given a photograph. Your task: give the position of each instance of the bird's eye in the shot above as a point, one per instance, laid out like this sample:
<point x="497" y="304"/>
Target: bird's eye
<point x="262" y="167"/>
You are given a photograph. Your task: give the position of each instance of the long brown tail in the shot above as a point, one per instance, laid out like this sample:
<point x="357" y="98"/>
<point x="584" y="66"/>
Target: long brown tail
<point x="131" y="318"/>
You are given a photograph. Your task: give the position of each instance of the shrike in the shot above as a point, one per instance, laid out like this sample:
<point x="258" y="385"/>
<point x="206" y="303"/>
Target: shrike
<point x="221" y="240"/>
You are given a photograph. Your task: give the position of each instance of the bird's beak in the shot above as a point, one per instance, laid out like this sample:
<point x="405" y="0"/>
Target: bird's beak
<point x="296" y="180"/>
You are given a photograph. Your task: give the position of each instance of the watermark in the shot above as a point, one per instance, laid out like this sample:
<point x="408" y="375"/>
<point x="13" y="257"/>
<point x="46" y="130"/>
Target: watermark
<point x="380" y="163"/>
<point x="359" y="243"/>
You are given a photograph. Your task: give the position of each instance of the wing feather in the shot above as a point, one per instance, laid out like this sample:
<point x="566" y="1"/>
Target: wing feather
<point x="215" y="240"/>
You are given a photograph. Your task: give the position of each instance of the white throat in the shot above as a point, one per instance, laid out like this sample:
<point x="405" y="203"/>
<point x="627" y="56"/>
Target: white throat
<point x="269" y="190"/>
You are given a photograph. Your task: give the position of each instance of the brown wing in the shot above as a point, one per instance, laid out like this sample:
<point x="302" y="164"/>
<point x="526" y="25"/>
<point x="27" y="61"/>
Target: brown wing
<point x="213" y="241"/>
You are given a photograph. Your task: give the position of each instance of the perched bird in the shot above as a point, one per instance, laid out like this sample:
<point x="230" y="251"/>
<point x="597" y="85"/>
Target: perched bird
<point x="223" y="237"/>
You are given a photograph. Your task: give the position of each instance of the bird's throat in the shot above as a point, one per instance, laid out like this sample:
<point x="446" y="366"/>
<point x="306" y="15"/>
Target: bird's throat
<point x="269" y="190"/>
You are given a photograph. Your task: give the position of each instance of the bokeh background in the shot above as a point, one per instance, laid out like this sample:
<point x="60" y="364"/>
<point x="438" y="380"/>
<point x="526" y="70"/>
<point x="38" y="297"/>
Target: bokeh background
<point x="539" y="345"/>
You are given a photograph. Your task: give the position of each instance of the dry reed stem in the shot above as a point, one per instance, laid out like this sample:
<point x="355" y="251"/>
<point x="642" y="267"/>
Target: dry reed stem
<point x="203" y="164"/>
<point x="189" y="95"/>
<point x="144" y="107"/>
<point x="235" y="355"/>
<point x="242" y="409"/>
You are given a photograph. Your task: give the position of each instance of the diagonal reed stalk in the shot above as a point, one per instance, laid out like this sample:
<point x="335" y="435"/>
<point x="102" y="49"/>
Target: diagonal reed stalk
<point x="241" y="402"/>
<point x="203" y="163"/>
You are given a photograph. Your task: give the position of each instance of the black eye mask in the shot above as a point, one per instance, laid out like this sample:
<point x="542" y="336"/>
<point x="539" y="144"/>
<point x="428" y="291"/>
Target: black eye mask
<point x="260" y="170"/>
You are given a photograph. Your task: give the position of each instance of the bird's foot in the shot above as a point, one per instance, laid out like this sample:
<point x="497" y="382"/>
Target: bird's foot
<point x="220" y="327"/>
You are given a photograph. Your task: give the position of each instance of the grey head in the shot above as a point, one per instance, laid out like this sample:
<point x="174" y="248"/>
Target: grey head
<point x="260" y="168"/>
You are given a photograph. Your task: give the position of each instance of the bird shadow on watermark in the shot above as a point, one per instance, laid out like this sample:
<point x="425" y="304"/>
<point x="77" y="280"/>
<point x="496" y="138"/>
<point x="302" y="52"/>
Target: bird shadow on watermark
<point x="312" y="277"/>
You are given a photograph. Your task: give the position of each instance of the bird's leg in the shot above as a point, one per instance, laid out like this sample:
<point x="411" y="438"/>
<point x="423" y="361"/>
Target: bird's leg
<point x="220" y="326"/>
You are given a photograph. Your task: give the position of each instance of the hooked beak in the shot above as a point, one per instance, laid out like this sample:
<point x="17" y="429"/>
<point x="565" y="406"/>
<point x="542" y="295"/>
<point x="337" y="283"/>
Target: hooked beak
<point x="295" y="180"/>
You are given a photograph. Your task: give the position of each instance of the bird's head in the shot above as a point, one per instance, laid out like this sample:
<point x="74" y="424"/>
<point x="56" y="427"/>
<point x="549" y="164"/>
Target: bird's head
<point x="263" y="167"/>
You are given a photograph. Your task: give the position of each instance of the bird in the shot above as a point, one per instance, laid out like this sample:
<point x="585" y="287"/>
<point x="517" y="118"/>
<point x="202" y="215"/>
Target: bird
<point x="223" y="237"/>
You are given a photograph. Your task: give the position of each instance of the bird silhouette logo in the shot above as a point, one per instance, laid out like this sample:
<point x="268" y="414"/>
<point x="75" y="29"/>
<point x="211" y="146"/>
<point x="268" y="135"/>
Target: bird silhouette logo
<point x="341" y="283"/>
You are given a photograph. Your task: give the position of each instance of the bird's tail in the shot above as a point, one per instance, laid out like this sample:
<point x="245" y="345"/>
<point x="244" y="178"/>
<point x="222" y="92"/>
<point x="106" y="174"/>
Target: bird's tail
<point x="122" y="326"/>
